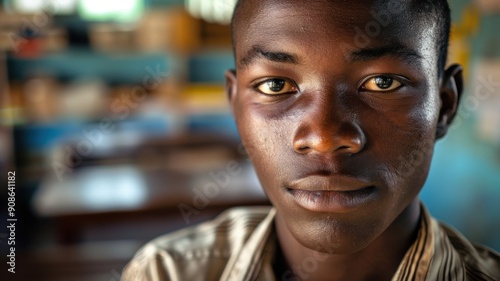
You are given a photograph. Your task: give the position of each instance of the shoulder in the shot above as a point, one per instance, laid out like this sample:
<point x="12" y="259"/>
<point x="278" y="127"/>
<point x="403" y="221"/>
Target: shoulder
<point x="202" y="250"/>
<point x="479" y="262"/>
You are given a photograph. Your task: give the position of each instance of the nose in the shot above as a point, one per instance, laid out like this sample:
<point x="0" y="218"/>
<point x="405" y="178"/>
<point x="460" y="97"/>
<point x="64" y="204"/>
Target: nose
<point x="325" y="128"/>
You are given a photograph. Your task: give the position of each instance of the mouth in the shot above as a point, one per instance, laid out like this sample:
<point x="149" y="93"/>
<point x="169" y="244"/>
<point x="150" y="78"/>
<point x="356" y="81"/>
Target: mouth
<point x="333" y="194"/>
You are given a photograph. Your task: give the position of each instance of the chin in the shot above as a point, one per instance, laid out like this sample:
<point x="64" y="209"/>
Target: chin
<point x="337" y="236"/>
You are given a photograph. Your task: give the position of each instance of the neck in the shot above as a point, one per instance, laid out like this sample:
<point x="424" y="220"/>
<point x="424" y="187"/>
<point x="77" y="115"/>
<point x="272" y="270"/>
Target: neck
<point x="378" y="261"/>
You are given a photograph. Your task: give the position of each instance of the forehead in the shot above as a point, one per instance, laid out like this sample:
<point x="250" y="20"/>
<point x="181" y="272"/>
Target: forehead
<point x="307" y="14"/>
<point x="332" y="26"/>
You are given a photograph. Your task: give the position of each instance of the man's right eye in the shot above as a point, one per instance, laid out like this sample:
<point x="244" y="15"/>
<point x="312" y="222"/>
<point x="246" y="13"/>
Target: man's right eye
<point x="276" y="86"/>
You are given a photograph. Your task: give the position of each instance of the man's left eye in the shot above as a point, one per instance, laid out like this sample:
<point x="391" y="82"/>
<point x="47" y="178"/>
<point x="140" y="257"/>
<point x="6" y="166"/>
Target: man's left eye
<point x="381" y="84"/>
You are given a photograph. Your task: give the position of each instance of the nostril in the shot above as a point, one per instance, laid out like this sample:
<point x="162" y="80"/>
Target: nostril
<point x="302" y="148"/>
<point x="344" y="147"/>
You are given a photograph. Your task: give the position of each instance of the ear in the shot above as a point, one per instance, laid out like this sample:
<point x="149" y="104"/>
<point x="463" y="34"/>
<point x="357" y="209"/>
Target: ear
<point x="451" y="89"/>
<point x="231" y="85"/>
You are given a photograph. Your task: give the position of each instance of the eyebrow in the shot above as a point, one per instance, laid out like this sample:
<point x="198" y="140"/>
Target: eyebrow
<point x="259" y="52"/>
<point x="368" y="54"/>
<point x="394" y="50"/>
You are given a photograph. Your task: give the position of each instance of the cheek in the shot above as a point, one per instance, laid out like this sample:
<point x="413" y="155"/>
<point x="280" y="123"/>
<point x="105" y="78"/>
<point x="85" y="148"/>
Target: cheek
<point x="265" y="143"/>
<point x="412" y="164"/>
<point x="406" y="141"/>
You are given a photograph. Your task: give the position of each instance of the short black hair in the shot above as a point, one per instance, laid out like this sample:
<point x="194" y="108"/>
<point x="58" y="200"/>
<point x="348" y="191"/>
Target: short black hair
<point x="437" y="12"/>
<point x="432" y="11"/>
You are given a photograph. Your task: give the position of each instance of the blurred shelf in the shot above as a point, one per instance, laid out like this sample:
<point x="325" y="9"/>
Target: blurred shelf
<point x="44" y="136"/>
<point x="210" y="65"/>
<point x="91" y="199"/>
<point x="201" y="174"/>
<point x="97" y="190"/>
<point x="114" y="68"/>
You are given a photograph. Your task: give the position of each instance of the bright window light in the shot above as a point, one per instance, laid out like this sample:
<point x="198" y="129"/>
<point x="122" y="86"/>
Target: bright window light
<point x="219" y="11"/>
<point x="37" y="6"/>
<point x="111" y="10"/>
<point x="27" y="6"/>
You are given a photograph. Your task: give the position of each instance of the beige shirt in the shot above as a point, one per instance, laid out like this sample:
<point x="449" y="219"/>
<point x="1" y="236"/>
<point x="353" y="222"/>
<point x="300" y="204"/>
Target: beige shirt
<point x="240" y="244"/>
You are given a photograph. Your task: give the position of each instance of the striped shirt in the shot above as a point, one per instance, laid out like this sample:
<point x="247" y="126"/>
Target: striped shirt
<point x="239" y="245"/>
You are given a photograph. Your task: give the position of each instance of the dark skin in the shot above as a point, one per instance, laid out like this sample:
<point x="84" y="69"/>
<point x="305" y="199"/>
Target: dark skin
<point x="341" y="135"/>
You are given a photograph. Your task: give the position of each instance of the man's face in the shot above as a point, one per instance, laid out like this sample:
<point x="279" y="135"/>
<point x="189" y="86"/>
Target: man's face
<point x="338" y="110"/>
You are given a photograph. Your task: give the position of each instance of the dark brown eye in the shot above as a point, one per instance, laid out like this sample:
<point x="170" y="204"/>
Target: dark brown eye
<point x="276" y="86"/>
<point x="381" y="84"/>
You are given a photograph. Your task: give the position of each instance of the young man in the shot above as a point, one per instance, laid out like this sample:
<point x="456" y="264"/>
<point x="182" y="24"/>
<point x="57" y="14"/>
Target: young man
<point x="338" y="104"/>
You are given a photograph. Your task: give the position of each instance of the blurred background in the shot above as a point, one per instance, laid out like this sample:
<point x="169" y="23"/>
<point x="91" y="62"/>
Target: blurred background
<point x="113" y="116"/>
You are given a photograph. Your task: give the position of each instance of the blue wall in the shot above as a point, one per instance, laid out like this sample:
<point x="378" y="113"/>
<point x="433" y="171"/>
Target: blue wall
<point x="463" y="188"/>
